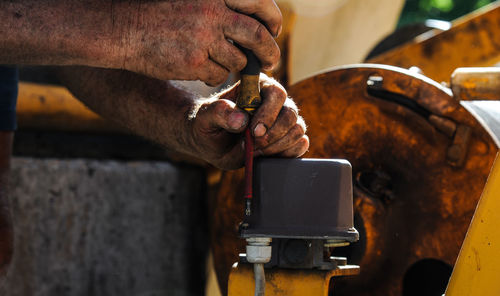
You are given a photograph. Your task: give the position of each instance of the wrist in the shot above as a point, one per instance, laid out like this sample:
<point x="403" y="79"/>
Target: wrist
<point x="176" y="116"/>
<point x="191" y="143"/>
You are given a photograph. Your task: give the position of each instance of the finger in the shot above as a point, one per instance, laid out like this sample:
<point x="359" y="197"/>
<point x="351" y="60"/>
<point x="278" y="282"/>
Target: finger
<point x="221" y="114"/>
<point x="253" y="35"/>
<point x="213" y="74"/>
<point x="286" y="142"/>
<point x="287" y="119"/>
<point x="265" y="10"/>
<point x="298" y="149"/>
<point x="228" y="56"/>
<point x="273" y="98"/>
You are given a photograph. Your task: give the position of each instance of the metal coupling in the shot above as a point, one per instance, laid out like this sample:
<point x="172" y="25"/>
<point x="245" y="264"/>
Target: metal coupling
<point x="258" y="249"/>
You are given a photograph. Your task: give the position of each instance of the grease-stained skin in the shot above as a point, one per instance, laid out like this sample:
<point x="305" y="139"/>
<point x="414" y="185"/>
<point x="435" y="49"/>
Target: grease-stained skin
<point x="181" y="39"/>
<point x="210" y="129"/>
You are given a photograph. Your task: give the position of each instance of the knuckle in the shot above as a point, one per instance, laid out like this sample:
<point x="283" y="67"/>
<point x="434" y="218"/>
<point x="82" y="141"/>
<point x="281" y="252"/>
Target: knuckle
<point x="219" y="106"/>
<point x="220" y="79"/>
<point x="276" y="92"/>
<point x="215" y="79"/>
<point x="240" y="63"/>
<point x="304" y="144"/>
<point x="223" y="77"/>
<point x="298" y="149"/>
<point x="237" y="63"/>
<point x="289" y="116"/>
<point x="210" y="108"/>
<point x="272" y="56"/>
<point x="196" y="60"/>
<point x="261" y="33"/>
<point x="210" y="82"/>
<point x="297" y="132"/>
<point x="261" y="142"/>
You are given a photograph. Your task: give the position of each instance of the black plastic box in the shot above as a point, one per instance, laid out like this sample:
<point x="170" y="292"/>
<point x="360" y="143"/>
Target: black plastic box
<point x="301" y="198"/>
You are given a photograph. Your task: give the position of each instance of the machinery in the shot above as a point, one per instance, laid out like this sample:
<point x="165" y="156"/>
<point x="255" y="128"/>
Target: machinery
<point x="412" y="146"/>
<point x="421" y="153"/>
<point x="290" y="223"/>
<point x="302" y="209"/>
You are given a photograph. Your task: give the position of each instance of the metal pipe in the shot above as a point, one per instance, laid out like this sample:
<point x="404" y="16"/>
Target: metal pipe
<point x="260" y="279"/>
<point x="259" y="253"/>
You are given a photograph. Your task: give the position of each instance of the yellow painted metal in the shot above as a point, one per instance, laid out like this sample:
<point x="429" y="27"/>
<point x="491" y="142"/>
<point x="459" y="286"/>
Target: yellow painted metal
<point x="477" y="270"/>
<point x="286" y="282"/>
<point x="49" y="107"/>
<point x="470" y="42"/>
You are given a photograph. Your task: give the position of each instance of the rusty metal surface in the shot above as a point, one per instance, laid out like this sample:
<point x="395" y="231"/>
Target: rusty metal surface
<point x="6" y="232"/>
<point x="472" y="41"/>
<point x="470" y="84"/>
<point x="411" y="202"/>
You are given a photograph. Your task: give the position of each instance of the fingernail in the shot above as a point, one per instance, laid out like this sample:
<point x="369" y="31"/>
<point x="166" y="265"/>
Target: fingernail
<point x="279" y="31"/>
<point x="237" y="120"/>
<point x="267" y="67"/>
<point x="260" y="130"/>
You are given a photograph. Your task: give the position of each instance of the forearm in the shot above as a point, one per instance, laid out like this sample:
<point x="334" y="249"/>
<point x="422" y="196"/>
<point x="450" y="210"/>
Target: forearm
<point x="154" y="109"/>
<point x="62" y="32"/>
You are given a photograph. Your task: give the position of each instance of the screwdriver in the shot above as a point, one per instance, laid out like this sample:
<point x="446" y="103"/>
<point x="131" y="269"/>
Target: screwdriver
<point x="249" y="100"/>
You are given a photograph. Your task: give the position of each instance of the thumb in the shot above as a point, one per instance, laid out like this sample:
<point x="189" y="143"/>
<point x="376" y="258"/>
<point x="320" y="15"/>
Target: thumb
<point x="223" y="114"/>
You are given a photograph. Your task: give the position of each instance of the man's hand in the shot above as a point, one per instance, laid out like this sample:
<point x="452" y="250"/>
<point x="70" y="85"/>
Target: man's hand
<point x="179" y="40"/>
<point x="209" y="129"/>
<point x="217" y="127"/>
<point x="189" y="40"/>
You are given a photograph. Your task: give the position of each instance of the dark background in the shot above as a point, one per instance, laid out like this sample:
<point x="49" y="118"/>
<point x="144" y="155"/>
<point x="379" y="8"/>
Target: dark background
<point x="446" y="10"/>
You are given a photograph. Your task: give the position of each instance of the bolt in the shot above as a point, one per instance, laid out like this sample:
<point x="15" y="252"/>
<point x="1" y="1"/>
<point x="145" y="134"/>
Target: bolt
<point x="375" y="82"/>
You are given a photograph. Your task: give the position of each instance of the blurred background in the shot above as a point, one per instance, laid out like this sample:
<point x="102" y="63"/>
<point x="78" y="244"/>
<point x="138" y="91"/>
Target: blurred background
<point x="98" y="211"/>
<point x="415" y="11"/>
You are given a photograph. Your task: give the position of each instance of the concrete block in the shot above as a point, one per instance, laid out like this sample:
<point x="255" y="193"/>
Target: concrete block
<point x="105" y="228"/>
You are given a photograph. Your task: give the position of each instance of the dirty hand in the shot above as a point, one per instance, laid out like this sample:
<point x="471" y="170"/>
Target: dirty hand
<point x="217" y="126"/>
<point x="188" y="40"/>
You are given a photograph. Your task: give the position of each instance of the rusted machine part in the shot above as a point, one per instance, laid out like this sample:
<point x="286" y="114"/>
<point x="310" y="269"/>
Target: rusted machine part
<point x="469" y="84"/>
<point x="412" y="200"/>
<point x="472" y="41"/>
<point x="287" y="282"/>
<point x="48" y="107"/>
<point x="6" y="230"/>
